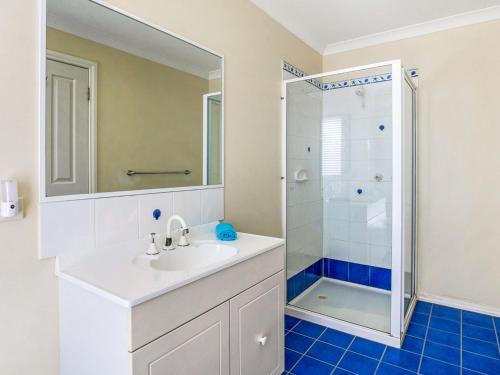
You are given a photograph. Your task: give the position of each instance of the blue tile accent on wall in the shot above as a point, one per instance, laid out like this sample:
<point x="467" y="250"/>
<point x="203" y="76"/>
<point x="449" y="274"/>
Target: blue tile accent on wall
<point x="376" y="277"/>
<point x="425" y="350"/>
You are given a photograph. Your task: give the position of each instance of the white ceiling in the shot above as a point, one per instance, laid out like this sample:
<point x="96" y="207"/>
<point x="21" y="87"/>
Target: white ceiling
<point x="332" y="25"/>
<point x="102" y="25"/>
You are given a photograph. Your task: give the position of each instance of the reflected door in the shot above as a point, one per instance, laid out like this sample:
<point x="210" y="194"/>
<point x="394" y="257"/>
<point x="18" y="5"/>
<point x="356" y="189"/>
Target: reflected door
<point x="67" y="130"/>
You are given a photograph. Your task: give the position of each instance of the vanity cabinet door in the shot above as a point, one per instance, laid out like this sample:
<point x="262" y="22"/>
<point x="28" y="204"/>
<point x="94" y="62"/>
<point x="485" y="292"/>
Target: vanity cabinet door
<point x="257" y="328"/>
<point x="199" y="347"/>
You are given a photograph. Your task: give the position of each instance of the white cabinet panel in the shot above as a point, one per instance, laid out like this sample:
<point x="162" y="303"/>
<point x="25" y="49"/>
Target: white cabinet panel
<point x="257" y="328"/>
<point x="200" y="347"/>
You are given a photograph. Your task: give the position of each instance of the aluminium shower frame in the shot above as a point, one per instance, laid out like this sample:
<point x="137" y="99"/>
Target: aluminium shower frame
<point x="399" y="322"/>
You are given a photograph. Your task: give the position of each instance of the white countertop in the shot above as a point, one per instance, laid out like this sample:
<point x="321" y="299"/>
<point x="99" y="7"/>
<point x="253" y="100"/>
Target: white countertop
<point x="121" y="273"/>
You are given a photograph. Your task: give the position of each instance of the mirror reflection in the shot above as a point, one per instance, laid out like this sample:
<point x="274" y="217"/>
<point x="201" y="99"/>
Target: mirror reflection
<point x="128" y="107"/>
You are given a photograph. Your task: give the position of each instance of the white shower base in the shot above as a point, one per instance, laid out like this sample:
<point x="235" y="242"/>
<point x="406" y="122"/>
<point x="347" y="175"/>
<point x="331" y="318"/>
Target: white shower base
<point x="353" y="303"/>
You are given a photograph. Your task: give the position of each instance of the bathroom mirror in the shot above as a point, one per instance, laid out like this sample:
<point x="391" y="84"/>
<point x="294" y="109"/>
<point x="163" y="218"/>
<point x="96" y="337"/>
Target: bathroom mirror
<point x="128" y="106"/>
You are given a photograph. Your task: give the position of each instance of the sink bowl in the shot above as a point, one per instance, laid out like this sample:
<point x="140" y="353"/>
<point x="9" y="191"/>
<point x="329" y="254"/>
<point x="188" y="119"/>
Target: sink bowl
<point x="191" y="257"/>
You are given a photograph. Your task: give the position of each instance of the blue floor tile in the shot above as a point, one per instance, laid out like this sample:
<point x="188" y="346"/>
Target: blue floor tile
<point x="325" y="352"/>
<point x="480" y="363"/>
<point x="402" y="358"/>
<point x="476" y="332"/>
<point x="420" y="318"/>
<point x="309" y="329"/>
<point x="445" y="325"/>
<point x="481" y="320"/>
<point x="358" y="364"/>
<point x="446" y="313"/>
<point x="442" y="352"/>
<point x="309" y="366"/>
<point x="297" y="342"/>
<point x="290" y="321"/>
<point x="423" y="307"/>
<point x="386" y="369"/>
<point x="291" y="358"/>
<point x="367" y="347"/>
<point x="433" y="367"/>
<point x="339" y="371"/>
<point x="480" y="347"/>
<point x="470" y="372"/>
<point x="413" y="344"/>
<point x="417" y="330"/>
<point x="337" y="338"/>
<point x="443" y="337"/>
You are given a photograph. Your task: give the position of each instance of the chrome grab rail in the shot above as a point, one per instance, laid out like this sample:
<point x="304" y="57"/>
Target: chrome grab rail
<point x="132" y="173"/>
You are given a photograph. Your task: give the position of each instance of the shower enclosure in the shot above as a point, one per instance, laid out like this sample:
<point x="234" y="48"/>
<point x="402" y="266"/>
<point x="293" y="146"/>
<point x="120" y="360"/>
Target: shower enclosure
<point x="349" y="152"/>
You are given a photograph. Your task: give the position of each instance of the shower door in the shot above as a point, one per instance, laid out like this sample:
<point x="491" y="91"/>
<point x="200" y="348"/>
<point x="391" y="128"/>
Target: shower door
<point x="343" y="198"/>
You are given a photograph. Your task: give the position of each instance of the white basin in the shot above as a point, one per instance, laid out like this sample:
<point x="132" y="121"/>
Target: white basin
<point x="191" y="257"/>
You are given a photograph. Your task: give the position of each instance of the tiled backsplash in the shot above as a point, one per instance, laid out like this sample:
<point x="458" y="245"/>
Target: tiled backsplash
<point x="83" y="224"/>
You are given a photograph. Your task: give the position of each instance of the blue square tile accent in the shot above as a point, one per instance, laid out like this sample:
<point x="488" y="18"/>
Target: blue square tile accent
<point x="480" y="347"/>
<point x="325" y="352"/>
<point x="443" y="337"/>
<point x="442" y="352"/>
<point x="367" y="347"/>
<point x="309" y="329"/>
<point x="413" y="344"/>
<point x="476" y="319"/>
<point x="423" y="307"/>
<point x="339" y="269"/>
<point x="386" y="369"/>
<point x="308" y="366"/>
<point x="334" y="337"/>
<point x="290" y="321"/>
<point x="416" y="330"/>
<point x="402" y="358"/>
<point x="433" y="367"/>
<point x="380" y="278"/>
<point x="418" y="318"/>
<point x="359" y="273"/>
<point x="291" y="358"/>
<point x="480" y="363"/>
<point x="358" y="364"/>
<point x="318" y="268"/>
<point x="326" y="267"/>
<point x="445" y="312"/>
<point x="479" y="333"/>
<point x="445" y="325"/>
<point x="297" y="342"/>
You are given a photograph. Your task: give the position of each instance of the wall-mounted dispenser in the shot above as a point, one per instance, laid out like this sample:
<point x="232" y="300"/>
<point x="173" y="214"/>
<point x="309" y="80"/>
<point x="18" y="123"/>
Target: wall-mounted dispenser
<point x="10" y="203"/>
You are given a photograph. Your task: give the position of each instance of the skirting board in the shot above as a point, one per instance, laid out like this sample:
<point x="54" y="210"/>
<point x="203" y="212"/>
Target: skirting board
<point x="459" y="304"/>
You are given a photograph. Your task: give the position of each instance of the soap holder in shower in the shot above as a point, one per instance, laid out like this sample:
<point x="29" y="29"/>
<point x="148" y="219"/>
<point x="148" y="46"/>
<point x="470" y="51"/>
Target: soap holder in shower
<point x="301" y="175"/>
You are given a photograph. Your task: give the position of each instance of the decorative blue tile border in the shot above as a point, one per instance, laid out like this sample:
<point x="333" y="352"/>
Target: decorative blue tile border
<point x="375" y="277"/>
<point x="347" y="83"/>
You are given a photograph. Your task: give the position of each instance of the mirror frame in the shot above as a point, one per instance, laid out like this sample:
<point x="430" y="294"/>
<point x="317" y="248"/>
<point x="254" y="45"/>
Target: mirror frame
<point x="41" y="114"/>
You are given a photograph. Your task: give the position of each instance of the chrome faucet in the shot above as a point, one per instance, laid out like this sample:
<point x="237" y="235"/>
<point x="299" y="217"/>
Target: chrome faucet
<point x="183" y="241"/>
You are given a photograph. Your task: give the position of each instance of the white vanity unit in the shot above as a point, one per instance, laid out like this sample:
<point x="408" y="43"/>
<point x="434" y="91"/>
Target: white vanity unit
<point x="124" y="312"/>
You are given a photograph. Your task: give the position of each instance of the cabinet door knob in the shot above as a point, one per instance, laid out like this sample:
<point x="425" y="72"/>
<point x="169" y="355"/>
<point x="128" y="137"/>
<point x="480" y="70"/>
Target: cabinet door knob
<point x="262" y="340"/>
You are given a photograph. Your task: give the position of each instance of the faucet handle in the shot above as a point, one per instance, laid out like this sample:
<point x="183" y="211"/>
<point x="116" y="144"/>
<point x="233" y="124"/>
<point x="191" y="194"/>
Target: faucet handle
<point x="152" y="250"/>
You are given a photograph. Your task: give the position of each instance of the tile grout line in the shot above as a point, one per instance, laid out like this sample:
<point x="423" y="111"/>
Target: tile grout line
<point x="496" y="334"/>
<point x="310" y="346"/>
<point x="425" y="340"/>
<point x="380" y="360"/>
<point x="343" y="355"/>
<point x="461" y="324"/>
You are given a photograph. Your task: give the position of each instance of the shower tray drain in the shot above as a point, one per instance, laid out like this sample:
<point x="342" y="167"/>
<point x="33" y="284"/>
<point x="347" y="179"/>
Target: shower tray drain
<point x="322" y="296"/>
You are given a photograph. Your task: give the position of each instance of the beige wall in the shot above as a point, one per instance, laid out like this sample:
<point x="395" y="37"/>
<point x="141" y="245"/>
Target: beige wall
<point x="458" y="155"/>
<point x="149" y="116"/>
<point x="253" y="46"/>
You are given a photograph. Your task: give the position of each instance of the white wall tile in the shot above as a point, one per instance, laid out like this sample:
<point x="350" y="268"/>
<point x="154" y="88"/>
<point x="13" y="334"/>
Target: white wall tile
<point x="116" y="220"/>
<point x="66" y="226"/>
<point x="147" y="204"/>
<point x="380" y="256"/>
<point x="187" y="204"/>
<point x="212" y="205"/>
<point x="358" y="253"/>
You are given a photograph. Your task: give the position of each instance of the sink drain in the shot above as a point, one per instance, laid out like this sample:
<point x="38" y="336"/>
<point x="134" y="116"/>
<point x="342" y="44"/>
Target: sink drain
<point x="321" y="296"/>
